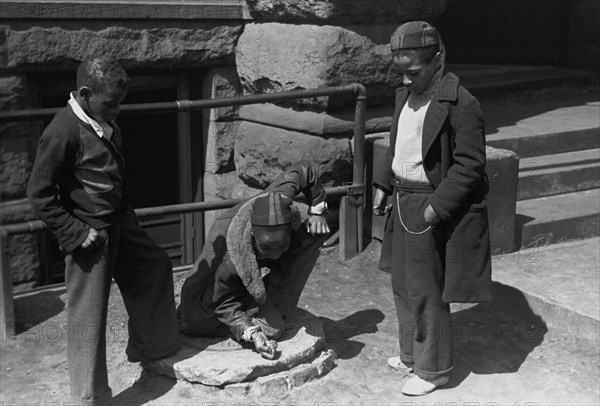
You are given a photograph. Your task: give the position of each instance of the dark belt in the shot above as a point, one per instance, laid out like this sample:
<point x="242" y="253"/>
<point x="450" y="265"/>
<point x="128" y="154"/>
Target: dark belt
<point x="404" y="185"/>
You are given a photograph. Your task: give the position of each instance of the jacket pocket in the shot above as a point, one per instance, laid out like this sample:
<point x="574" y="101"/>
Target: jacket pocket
<point x="468" y="259"/>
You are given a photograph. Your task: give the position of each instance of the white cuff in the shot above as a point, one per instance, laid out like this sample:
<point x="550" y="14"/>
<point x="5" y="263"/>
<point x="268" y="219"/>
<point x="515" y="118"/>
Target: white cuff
<point x="247" y="336"/>
<point x="318" y="209"/>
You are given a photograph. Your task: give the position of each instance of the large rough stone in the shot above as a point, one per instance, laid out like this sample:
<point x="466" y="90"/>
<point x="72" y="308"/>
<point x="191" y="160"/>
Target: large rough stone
<point x="279" y="385"/>
<point x="220" y="141"/>
<point x="57" y="47"/>
<point x="220" y="361"/>
<point x="217" y="187"/>
<point x="263" y="152"/>
<point x="345" y="11"/>
<point x="276" y="57"/>
<point x="220" y="83"/>
<point x="220" y="125"/>
<point x="318" y="123"/>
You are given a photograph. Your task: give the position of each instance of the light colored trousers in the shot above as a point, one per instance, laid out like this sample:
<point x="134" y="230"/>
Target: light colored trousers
<point x="143" y="273"/>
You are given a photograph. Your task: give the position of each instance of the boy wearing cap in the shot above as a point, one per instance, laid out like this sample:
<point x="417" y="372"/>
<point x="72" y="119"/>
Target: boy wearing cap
<point x="255" y="263"/>
<point x="434" y="170"/>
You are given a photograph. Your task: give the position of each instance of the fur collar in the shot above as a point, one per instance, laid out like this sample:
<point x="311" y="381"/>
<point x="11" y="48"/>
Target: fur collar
<point x="241" y="251"/>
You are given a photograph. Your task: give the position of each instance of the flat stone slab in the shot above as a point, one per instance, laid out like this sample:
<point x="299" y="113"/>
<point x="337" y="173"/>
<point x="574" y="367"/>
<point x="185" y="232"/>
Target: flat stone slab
<point x="223" y="361"/>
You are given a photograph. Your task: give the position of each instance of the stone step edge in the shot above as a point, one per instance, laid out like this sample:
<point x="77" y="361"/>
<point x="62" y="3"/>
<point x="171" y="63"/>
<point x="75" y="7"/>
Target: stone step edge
<point x="524" y="207"/>
<point x="280" y="384"/>
<point x="547" y="182"/>
<point x="553" y="143"/>
<point x="556" y="161"/>
<point x="572" y="224"/>
<point x="562" y="318"/>
<point x="554" y="314"/>
<point x="559" y="230"/>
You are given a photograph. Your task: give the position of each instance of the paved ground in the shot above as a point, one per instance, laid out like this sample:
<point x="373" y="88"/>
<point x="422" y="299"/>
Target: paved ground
<point x="504" y="352"/>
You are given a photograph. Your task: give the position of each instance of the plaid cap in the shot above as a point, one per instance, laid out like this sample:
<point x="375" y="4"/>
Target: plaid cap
<point x="271" y="210"/>
<point x="414" y="34"/>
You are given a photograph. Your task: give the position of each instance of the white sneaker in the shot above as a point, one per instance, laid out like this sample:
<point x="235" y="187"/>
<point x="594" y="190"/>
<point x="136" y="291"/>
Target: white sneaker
<point x="396" y="363"/>
<point x="416" y="386"/>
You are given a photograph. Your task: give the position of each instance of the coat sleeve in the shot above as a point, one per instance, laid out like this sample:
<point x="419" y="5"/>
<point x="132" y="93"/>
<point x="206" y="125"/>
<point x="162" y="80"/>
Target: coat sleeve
<point x="300" y="177"/>
<point x="229" y="297"/>
<point x="55" y="151"/>
<point x="468" y="166"/>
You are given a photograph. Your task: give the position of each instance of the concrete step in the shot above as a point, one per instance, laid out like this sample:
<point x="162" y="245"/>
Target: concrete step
<point x="553" y="219"/>
<point x="559" y="173"/>
<point x="545" y="122"/>
<point x="560" y="283"/>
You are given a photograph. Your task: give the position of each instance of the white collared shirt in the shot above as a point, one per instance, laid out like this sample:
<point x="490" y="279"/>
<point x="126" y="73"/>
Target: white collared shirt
<point x="103" y="130"/>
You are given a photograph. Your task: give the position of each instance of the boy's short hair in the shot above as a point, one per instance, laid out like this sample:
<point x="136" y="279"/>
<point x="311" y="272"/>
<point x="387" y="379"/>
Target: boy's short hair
<point x="100" y="73"/>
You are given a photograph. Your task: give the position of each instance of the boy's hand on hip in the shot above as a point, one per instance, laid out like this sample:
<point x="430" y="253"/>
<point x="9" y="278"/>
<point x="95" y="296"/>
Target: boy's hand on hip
<point x="94" y="240"/>
<point x="431" y="217"/>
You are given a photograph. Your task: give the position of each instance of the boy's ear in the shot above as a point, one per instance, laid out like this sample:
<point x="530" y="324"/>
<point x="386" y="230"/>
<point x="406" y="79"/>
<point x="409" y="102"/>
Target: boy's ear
<point x="437" y="59"/>
<point x="85" y="92"/>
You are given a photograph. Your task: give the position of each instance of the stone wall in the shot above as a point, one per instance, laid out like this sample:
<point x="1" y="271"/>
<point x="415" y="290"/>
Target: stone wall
<point x="53" y="49"/>
<point x="17" y="150"/>
<point x="61" y="48"/>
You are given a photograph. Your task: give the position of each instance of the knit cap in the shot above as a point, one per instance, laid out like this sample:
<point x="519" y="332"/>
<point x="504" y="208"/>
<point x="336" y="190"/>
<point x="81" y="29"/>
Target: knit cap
<point x="271" y="210"/>
<point x="414" y="34"/>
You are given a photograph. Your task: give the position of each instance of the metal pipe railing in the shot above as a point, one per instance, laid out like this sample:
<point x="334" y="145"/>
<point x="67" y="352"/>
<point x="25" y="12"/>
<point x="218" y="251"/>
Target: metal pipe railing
<point x="189" y="105"/>
<point x="38" y="225"/>
<point x="358" y="90"/>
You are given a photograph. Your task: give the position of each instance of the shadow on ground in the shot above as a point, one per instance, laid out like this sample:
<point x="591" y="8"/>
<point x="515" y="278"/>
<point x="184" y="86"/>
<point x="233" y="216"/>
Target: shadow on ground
<point x="338" y="333"/>
<point x="148" y="387"/>
<point x="36" y="308"/>
<point x="495" y="337"/>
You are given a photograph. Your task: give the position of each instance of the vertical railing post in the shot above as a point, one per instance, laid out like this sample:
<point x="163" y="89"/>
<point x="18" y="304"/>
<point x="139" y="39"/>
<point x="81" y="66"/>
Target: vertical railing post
<point x="359" y="152"/>
<point x="352" y="206"/>
<point x="7" y="315"/>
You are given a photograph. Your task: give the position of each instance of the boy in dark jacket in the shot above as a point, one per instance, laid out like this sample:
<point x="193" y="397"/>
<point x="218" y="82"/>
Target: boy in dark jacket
<point x="77" y="187"/>
<point x="435" y="170"/>
<point x="255" y="263"/>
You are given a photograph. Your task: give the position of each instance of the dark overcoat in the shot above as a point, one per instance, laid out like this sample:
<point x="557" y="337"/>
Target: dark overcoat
<point x="454" y="162"/>
<point x="226" y="285"/>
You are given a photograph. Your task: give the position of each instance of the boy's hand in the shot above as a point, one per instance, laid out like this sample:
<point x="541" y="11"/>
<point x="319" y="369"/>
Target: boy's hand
<point x="317" y="225"/>
<point x="431" y="217"/>
<point x="379" y="206"/>
<point x="265" y="347"/>
<point x="94" y="240"/>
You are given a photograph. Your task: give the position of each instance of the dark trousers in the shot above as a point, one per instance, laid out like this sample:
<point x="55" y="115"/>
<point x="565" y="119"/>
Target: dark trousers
<point x="143" y="273"/>
<point x="417" y="283"/>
